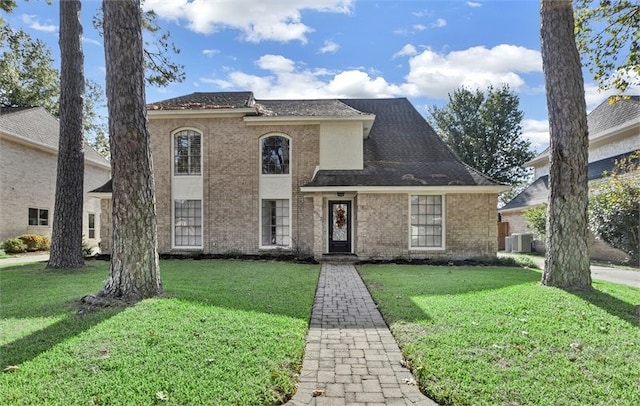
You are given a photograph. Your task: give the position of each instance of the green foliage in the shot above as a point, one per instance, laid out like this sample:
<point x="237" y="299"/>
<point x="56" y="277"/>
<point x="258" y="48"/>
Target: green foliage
<point x="28" y="78"/>
<point x="485" y="130"/>
<point x="536" y="218"/>
<point x="35" y="242"/>
<point x="495" y="336"/>
<point x="14" y="246"/>
<point x="614" y="209"/>
<point x="608" y="37"/>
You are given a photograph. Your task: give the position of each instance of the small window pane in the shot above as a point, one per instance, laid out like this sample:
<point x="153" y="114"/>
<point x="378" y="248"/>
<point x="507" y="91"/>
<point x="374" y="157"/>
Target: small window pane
<point x="187" y="223"/>
<point x="275" y="223"/>
<point x="187" y="154"/>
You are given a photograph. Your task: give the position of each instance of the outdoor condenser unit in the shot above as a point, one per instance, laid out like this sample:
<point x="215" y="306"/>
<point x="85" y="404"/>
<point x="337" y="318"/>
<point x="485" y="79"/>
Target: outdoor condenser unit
<point x="521" y="242"/>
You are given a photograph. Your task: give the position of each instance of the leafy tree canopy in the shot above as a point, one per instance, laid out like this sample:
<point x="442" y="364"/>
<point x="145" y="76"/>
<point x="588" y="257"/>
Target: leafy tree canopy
<point x="608" y="38"/>
<point x="484" y="130"/>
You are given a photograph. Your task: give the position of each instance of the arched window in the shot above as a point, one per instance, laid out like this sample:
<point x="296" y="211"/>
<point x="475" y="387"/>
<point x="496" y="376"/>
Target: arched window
<point x="275" y="155"/>
<point x="187" y="152"/>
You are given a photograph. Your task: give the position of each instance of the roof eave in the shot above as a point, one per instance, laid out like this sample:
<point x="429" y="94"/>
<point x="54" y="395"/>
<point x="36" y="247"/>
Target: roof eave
<point x="446" y="189"/>
<point x="197" y="113"/>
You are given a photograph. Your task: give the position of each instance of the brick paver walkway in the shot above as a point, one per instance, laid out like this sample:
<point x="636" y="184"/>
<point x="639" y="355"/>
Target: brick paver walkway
<point x="351" y="358"/>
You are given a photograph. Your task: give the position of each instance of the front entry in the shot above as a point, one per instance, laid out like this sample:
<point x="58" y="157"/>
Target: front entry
<point x="340" y="226"/>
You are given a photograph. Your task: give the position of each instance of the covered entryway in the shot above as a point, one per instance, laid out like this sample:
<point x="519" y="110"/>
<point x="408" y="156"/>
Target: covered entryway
<point x="339" y="226"/>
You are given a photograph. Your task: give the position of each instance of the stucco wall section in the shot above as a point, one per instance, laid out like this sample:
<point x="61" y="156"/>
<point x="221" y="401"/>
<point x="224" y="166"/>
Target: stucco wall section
<point x="230" y="178"/>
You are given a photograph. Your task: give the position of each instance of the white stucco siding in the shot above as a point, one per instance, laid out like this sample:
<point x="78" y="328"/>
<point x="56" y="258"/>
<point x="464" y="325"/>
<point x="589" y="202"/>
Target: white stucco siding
<point x="614" y="147"/>
<point x="341" y="146"/>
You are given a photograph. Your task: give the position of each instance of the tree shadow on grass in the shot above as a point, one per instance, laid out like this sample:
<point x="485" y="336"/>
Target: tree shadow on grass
<point x="40" y="341"/>
<point x="612" y="305"/>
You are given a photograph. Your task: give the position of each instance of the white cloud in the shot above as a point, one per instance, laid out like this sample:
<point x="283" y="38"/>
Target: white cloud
<point x="276" y="63"/>
<point x="435" y="75"/>
<point x="419" y="27"/>
<point x="266" y="20"/>
<point x="537" y="132"/>
<point x="439" y="23"/>
<point x="210" y="52"/>
<point x="407" y="50"/>
<point x="329" y="47"/>
<point x="33" y="23"/>
<point x="91" y="41"/>
<point x="473" y="4"/>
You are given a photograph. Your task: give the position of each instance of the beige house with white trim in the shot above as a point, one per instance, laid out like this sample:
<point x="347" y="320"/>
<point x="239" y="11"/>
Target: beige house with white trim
<point x="28" y="162"/>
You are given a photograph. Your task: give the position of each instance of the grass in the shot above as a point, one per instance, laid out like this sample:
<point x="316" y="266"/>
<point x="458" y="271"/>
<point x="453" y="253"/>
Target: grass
<point x="495" y="336"/>
<point x="226" y="333"/>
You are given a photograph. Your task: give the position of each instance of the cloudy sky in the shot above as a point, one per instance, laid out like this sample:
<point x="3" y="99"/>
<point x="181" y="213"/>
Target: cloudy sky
<point x="422" y="50"/>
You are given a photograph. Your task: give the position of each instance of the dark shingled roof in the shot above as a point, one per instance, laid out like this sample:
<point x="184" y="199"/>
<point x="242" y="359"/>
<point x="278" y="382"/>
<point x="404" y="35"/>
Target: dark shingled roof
<point x="538" y="192"/>
<point x="402" y="150"/>
<point x="609" y="115"/>
<point x="306" y="108"/>
<point x="106" y="188"/>
<point x="194" y="101"/>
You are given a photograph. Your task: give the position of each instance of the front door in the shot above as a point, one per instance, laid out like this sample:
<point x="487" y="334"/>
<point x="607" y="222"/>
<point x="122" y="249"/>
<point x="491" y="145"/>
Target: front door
<point x="339" y="226"/>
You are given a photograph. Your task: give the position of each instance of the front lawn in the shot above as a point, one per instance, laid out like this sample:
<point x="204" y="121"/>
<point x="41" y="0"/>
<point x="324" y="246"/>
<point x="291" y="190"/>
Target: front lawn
<point x="227" y="333"/>
<point x="495" y="336"/>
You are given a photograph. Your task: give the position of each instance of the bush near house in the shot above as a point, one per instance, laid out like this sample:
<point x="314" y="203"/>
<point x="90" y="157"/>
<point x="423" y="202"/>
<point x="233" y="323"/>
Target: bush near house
<point x="14" y="246"/>
<point x="26" y="242"/>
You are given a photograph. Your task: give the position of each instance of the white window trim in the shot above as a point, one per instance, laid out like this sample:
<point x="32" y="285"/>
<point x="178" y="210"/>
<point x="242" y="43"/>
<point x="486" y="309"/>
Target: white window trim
<point x="173" y="152"/>
<point x="444" y="224"/>
<point x="173" y="227"/>
<point x="275" y="175"/>
<point x="95" y="229"/>
<point x="274" y="247"/>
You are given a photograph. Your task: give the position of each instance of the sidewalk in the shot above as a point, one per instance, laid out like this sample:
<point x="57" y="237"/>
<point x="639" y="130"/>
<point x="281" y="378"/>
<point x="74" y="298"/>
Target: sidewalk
<point x="23" y="259"/>
<point x="351" y="358"/>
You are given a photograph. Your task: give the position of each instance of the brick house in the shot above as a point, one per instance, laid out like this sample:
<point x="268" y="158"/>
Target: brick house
<point x="614" y="133"/>
<point x="363" y="177"/>
<point x="28" y="162"/>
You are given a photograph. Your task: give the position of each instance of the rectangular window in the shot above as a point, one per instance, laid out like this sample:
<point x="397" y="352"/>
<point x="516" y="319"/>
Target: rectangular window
<point x="92" y="225"/>
<point x="187" y="153"/>
<point x="38" y="217"/>
<point x="426" y="222"/>
<point x="187" y="224"/>
<point x="275" y="223"/>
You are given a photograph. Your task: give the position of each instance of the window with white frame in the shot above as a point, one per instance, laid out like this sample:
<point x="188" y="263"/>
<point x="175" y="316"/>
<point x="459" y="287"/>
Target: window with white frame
<point x="38" y="217"/>
<point x="92" y="225"/>
<point x="275" y="155"/>
<point x="187" y="223"/>
<point x="187" y="150"/>
<point x="275" y="223"/>
<point x="426" y="221"/>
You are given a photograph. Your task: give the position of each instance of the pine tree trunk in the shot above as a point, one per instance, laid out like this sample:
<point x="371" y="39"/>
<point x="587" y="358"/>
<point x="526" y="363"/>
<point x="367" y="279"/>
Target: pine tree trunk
<point x="134" y="270"/>
<point x="66" y="238"/>
<point x="567" y="258"/>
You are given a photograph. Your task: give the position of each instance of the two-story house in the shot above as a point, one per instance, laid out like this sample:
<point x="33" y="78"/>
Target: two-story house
<point x="614" y="133"/>
<point x="364" y="177"/>
<point x="28" y="164"/>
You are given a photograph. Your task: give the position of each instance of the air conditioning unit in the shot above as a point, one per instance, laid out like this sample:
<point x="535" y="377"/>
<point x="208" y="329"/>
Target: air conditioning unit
<point x="521" y="242"/>
<point x="507" y="243"/>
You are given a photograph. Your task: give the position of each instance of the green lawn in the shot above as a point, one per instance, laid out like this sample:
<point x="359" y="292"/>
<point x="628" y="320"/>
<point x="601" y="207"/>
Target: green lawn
<point x="495" y="336"/>
<point x="227" y="333"/>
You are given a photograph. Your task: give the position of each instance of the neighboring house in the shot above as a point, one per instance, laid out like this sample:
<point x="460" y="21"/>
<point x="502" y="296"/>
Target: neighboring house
<point x="614" y="133"/>
<point x="365" y="177"/>
<point x="28" y="162"/>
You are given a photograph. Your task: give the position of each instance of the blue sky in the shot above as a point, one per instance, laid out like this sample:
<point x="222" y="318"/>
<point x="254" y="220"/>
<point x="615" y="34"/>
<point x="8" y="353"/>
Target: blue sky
<point x="422" y="50"/>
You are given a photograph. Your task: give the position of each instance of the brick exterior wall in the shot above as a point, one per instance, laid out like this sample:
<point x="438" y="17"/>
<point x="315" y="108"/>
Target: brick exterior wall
<point x="383" y="227"/>
<point x="230" y="175"/>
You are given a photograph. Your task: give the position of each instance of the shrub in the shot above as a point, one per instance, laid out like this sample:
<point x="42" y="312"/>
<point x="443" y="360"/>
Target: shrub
<point x="14" y="246"/>
<point x="614" y="209"/>
<point x="537" y="219"/>
<point x="35" y="242"/>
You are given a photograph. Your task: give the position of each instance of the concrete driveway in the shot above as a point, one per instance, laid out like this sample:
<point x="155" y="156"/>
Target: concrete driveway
<point x="622" y="276"/>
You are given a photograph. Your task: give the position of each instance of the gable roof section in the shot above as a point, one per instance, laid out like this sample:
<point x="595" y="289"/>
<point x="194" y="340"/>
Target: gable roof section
<point x="402" y="150"/>
<point x="538" y="192"/>
<point x="36" y="127"/>
<point x="624" y="112"/>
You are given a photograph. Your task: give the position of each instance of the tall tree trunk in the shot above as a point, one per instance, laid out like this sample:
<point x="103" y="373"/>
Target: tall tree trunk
<point x="66" y="241"/>
<point x="567" y="258"/>
<point x="134" y="270"/>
